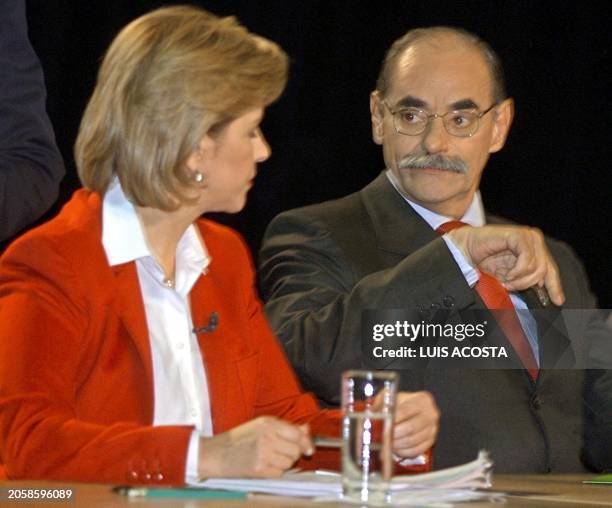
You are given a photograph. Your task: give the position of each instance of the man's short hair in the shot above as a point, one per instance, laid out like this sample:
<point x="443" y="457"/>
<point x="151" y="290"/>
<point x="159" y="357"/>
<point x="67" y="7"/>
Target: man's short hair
<point x="170" y="77"/>
<point x="418" y="34"/>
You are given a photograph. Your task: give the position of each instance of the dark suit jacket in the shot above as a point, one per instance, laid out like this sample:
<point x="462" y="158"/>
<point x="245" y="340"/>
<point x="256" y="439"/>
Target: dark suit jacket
<point x="31" y="166"/>
<point x="322" y="265"/>
<point x="76" y="378"/>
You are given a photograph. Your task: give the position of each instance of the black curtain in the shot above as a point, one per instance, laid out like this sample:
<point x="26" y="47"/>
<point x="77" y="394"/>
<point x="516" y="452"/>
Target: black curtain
<point x="554" y="172"/>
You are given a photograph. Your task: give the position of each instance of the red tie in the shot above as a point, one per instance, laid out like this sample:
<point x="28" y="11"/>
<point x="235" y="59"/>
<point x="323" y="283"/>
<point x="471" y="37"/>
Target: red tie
<point x="495" y="296"/>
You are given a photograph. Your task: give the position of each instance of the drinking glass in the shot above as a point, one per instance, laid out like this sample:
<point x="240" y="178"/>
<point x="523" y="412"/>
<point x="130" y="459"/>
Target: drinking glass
<point x="368" y="405"/>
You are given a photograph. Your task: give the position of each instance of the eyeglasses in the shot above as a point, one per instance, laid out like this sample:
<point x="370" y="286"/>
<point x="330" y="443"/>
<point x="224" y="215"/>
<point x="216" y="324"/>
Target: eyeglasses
<point x="413" y="121"/>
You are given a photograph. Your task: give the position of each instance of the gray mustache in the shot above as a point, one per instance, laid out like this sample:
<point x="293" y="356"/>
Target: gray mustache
<point x="416" y="161"/>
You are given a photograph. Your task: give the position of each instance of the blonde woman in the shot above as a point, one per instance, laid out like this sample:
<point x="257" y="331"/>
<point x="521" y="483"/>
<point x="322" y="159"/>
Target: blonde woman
<point x="133" y="347"/>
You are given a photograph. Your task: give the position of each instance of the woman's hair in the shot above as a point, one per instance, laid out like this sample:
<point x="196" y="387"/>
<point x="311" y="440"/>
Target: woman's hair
<point x="169" y="78"/>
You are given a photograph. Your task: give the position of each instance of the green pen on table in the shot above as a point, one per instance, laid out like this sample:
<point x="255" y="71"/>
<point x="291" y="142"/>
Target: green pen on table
<point x="604" y="479"/>
<point x="178" y="492"/>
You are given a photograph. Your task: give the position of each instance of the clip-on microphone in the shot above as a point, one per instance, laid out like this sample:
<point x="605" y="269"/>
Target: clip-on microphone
<point x="213" y="322"/>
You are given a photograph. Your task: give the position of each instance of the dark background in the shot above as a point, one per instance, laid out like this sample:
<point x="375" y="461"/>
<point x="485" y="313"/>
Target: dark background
<point x="554" y="172"/>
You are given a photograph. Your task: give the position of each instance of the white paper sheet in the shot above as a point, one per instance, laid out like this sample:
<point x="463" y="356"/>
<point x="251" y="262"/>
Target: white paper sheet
<point x="447" y="485"/>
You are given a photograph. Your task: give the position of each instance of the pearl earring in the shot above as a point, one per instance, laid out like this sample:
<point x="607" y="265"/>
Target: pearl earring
<point x="198" y="177"/>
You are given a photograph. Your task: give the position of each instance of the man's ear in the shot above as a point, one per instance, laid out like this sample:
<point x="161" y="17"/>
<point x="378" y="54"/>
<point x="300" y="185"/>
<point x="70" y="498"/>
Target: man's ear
<point x="504" y="114"/>
<point x="376" y="116"/>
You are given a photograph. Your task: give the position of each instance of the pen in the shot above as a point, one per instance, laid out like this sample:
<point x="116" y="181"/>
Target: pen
<point x="184" y="492"/>
<point x="327" y="442"/>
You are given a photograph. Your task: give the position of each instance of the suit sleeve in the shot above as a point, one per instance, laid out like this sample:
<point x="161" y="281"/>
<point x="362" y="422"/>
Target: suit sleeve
<point x="314" y="300"/>
<point x="31" y="166"/>
<point x="45" y="351"/>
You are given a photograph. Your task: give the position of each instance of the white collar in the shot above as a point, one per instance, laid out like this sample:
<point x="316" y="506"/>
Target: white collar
<point x="124" y="240"/>
<point x="474" y="215"/>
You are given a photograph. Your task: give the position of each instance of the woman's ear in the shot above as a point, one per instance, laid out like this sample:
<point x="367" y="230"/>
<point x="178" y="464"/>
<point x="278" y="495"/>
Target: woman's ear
<point x="201" y="155"/>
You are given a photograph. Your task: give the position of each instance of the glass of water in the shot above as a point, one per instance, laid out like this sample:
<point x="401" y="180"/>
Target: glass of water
<point x="368" y="405"/>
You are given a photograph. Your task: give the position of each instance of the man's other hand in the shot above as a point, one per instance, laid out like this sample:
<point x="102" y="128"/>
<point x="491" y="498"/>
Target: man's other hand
<point x="417" y="420"/>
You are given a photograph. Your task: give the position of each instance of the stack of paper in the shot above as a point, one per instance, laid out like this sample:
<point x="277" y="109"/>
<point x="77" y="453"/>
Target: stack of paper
<point x="448" y="485"/>
<point x="473" y="475"/>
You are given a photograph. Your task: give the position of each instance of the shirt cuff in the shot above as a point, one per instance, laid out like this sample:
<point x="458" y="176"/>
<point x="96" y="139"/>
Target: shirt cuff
<point x="419" y="460"/>
<point x="191" y="468"/>
<point x="469" y="272"/>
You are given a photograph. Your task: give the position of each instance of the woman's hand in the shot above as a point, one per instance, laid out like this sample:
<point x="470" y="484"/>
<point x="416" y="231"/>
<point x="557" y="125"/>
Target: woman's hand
<point x="416" y="423"/>
<point x="262" y="448"/>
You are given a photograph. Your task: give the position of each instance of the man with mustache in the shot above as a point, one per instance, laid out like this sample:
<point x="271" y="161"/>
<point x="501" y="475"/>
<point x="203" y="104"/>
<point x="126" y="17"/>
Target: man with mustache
<point x="439" y="110"/>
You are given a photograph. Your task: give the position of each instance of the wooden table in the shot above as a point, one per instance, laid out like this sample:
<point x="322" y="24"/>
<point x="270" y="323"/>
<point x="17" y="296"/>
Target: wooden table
<point x="552" y="490"/>
<point x="526" y="490"/>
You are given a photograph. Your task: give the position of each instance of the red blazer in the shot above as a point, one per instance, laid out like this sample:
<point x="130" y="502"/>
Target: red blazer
<point x="76" y="384"/>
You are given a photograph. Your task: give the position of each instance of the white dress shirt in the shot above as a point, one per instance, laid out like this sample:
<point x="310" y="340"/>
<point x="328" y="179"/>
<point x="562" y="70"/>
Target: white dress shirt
<point x="179" y="375"/>
<point x="474" y="216"/>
